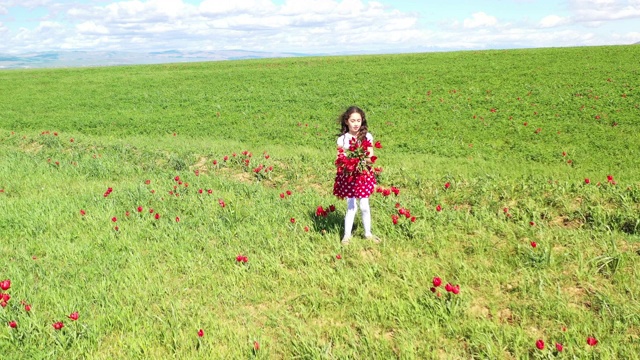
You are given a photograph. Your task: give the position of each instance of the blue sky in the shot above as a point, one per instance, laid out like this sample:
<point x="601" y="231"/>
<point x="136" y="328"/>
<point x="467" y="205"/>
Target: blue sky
<point x="314" y="26"/>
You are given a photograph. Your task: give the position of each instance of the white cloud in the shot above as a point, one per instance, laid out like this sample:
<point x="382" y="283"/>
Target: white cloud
<point x="480" y="19"/>
<point x="603" y="10"/>
<point x="311" y="26"/>
<point x="90" y="28"/>
<point x="553" y="21"/>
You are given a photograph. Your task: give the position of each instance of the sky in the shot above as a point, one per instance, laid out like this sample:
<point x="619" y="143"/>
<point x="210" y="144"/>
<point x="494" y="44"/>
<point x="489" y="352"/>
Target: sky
<point x="313" y="26"/>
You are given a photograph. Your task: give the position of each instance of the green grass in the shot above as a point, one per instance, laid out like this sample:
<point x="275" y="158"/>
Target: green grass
<point x="145" y="290"/>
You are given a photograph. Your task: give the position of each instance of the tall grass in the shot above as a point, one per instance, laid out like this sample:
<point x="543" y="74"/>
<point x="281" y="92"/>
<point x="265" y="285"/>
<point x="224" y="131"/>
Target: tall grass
<point x="501" y="142"/>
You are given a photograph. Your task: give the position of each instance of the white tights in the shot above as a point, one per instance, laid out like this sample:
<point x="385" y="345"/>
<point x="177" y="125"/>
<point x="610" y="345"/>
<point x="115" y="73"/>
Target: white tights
<point x="351" y="215"/>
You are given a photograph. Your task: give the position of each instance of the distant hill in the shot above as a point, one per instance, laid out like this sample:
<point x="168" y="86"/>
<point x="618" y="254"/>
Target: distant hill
<point x="110" y="58"/>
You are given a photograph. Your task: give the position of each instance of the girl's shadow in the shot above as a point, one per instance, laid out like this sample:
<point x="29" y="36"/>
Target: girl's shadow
<point x="334" y="221"/>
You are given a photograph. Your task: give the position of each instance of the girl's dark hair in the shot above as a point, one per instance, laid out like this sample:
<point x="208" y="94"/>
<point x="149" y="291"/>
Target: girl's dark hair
<point x="344" y="128"/>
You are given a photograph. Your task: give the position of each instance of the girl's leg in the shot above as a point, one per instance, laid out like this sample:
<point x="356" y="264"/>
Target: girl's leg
<point x="366" y="216"/>
<point x="349" y="217"/>
<point x="366" y="220"/>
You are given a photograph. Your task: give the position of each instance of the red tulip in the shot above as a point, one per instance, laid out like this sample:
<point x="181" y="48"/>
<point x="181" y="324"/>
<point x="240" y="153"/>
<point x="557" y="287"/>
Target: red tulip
<point x="157" y="216"/>
<point x="438" y="208"/>
<point x="289" y="192"/>
<point x="256" y="346"/>
<point x="377" y="145"/>
<point x="455" y="289"/>
<point x="338" y="256"/>
<point x="82" y="212"/>
<point x="58" y="325"/>
<point x="559" y="347"/>
<point x="540" y="344"/>
<point x="177" y="219"/>
<point x="27" y="308"/>
<point x="114" y="219"/>
<point x="533" y="244"/>
<point x="587" y="181"/>
<point x="139" y="208"/>
<point x="200" y="333"/>
<point x="448" y="287"/>
<point x="73" y="316"/>
<point x="306" y="229"/>
<point x="437" y="281"/>
<point x="293" y="220"/>
<point x="281" y="195"/>
<point x="447" y="185"/>
<point x="591" y="341"/>
<point x="13" y="324"/>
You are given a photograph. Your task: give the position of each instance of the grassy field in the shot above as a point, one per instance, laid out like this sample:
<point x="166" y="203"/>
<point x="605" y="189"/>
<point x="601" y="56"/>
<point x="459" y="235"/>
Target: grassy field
<point x="521" y="168"/>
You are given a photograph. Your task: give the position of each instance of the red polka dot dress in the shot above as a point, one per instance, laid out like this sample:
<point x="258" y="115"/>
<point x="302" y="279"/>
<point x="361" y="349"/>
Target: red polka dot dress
<point x="347" y="185"/>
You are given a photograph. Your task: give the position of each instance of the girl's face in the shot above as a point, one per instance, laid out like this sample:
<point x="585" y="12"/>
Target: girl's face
<point x="354" y="122"/>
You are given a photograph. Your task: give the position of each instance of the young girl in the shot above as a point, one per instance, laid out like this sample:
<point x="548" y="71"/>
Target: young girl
<point x="353" y="132"/>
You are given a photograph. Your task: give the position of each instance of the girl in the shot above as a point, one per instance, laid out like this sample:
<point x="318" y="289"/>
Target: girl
<point x="358" y="185"/>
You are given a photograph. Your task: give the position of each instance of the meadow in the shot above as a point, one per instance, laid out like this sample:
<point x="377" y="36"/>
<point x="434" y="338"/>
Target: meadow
<point x="185" y="210"/>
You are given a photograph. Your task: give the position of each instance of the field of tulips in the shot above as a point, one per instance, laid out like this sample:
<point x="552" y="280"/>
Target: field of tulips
<point x="185" y="210"/>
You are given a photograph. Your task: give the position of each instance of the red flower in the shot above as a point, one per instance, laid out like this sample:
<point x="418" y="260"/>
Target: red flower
<point x="377" y="145"/>
<point x="386" y="192"/>
<point x="200" y="333"/>
<point x="58" y="325"/>
<point x="27" y="307"/>
<point x="281" y="195"/>
<point x="177" y="219"/>
<point x="306" y="229"/>
<point x="447" y="185"/>
<point x="437" y="281"/>
<point x="114" y="219"/>
<point x="413" y="219"/>
<point x="289" y="192"/>
<point x="256" y="346"/>
<point x="395" y="190"/>
<point x="215" y="162"/>
<point x="438" y="208"/>
<point x="320" y="211"/>
<point x="559" y="347"/>
<point x="73" y="316"/>
<point x="338" y="256"/>
<point x="609" y="178"/>
<point x="139" y="208"/>
<point x="209" y="191"/>
<point x="448" y="287"/>
<point x="293" y="220"/>
<point x="540" y="344"/>
<point x="116" y="228"/>
<point x="241" y="258"/>
<point x="5" y="297"/>
<point x="532" y="223"/>
<point x="534" y="244"/>
<point x="225" y="158"/>
<point x="587" y="181"/>
<point x="455" y="289"/>
<point x="332" y="208"/>
<point x="150" y="211"/>
<point x="157" y="216"/>
<point x="394" y="218"/>
<point x="177" y="178"/>
<point x="13" y="324"/>
<point x="82" y="212"/>
<point x="221" y="203"/>
<point x="373" y="159"/>
<point x="591" y="341"/>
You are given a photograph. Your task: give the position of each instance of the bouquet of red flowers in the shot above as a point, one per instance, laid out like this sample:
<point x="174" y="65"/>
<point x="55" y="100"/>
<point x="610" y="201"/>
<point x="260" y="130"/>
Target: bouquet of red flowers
<point x="353" y="161"/>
